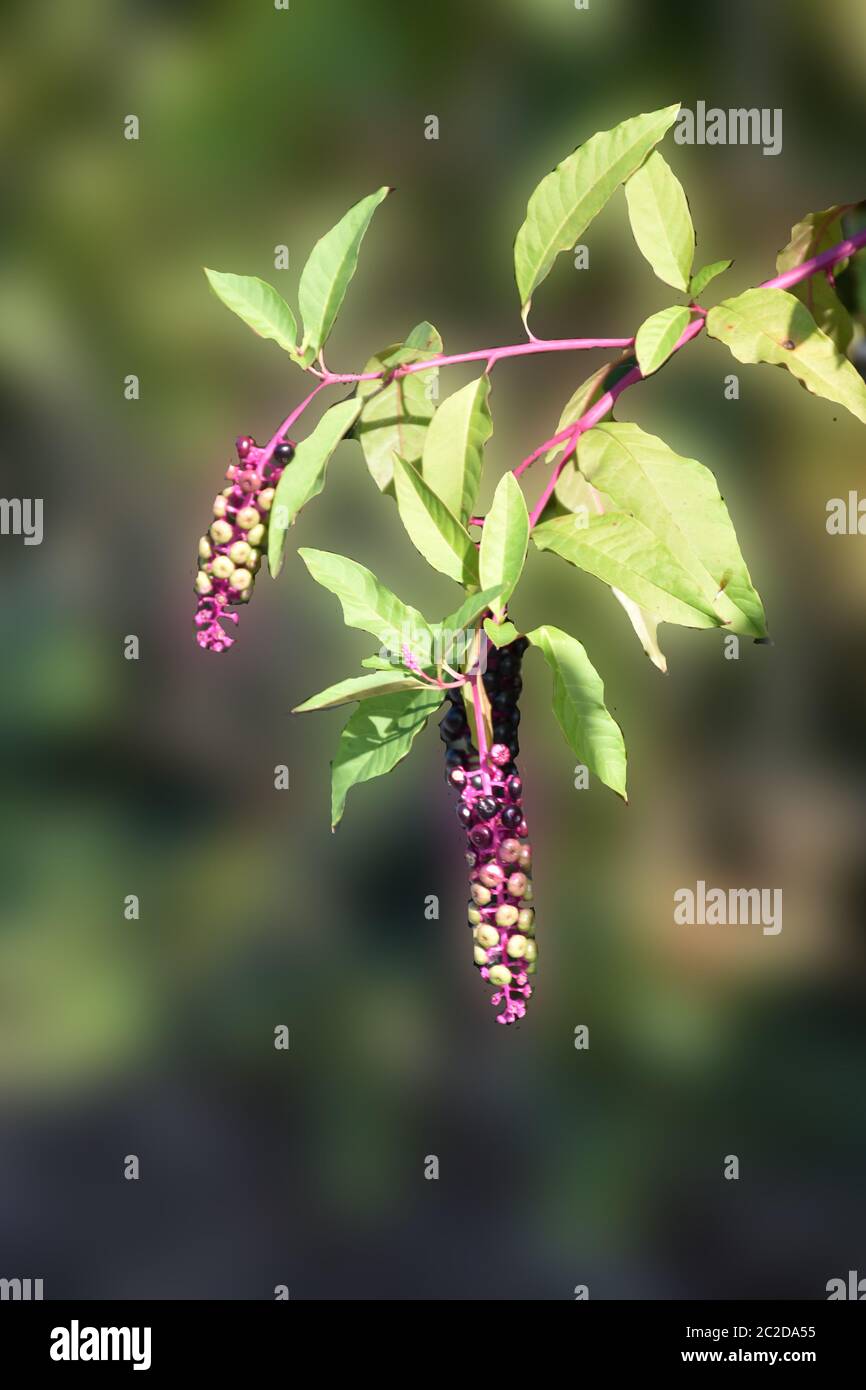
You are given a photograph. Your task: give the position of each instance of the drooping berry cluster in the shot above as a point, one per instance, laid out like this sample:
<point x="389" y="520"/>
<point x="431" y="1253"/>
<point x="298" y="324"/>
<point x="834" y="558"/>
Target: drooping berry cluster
<point x="499" y="854"/>
<point x="229" y="556"/>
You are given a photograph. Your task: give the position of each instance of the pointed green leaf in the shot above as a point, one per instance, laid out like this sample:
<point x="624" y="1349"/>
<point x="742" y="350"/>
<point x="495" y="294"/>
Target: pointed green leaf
<point x="578" y="703"/>
<point x="567" y="199"/>
<point x="470" y="610"/>
<point x="258" y="304"/>
<point x="377" y="737"/>
<point x="500" y="634"/>
<point x="678" y="500"/>
<point x="620" y="550"/>
<point x="658" y="336"/>
<point x="660" y="220"/>
<point x="359" y="688"/>
<point x="433" y="529"/>
<point x="817" y="232"/>
<point x="589" y="391"/>
<point x="454" y="447"/>
<point x="368" y="604"/>
<point x="331" y="265"/>
<point x="574" y="494"/>
<point x="504" y="541"/>
<point x="773" y="326"/>
<point x="702" y="277"/>
<point x="304" y="478"/>
<point x="394" y="418"/>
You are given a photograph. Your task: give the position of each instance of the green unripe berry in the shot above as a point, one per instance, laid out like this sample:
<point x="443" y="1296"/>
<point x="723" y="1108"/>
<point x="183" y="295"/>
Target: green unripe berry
<point x="480" y="895"/>
<point x="531" y="951"/>
<point x="265" y="498"/>
<point x="506" y="915"/>
<point x="248" y="517"/>
<point x="474" y="915"/>
<point x="256" y="534"/>
<point x="220" y="505"/>
<point x="222" y="567"/>
<point x="240" y="552"/>
<point x="500" y="975"/>
<point x="486" y="935"/>
<point x="221" y="532"/>
<point x="531" y="969"/>
<point x="202" y="583"/>
<point x="526" y="920"/>
<point x="517" y="946"/>
<point x="205" y="550"/>
<point x="525" y="857"/>
<point x="240" y="580"/>
<point x="528" y="893"/>
<point x="480" y="956"/>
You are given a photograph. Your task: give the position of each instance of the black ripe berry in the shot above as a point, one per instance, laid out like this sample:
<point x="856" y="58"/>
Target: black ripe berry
<point x="284" y="453"/>
<point x="511" y="817"/>
<point x="514" y="788"/>
<point x="465" y="815"/>
<point x="486" y="806"/>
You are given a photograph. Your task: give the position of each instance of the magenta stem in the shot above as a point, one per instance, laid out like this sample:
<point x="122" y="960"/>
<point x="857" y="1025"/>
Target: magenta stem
<point x="479" y="720"/>
<point x="488" y="355"/>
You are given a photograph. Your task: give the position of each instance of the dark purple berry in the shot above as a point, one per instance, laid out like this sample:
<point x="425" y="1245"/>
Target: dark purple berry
<point x="481" y="836"/>
<point x="465" y="814"/>
<point x="244" y="444"/>
<point x="515" y="788"/>
<point x="284" y="453"/>
<point x="486" y="807"/>
<point x="476" y="781"/>
<point x="519" y="646"/>
<point x="511" y="817"/>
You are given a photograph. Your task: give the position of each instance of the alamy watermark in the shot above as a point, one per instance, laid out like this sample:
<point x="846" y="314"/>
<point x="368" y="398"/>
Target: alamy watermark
<point x="720" y="907"/>
<point x="737" y="126"/>
<point x="22" y="516"/>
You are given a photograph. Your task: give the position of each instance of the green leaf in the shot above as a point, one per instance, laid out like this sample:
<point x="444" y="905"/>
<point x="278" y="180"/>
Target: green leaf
<point x="470" y="610"/>
<point x="433" y="529"/>
<point x="589" y="391"/>
<point x="394" y="418"/>
<point x="575" y="495"/>
<point x="817" y="232"/>
<point x="359" y="688"/>
<point x="331" y="265"/>
<point x="500" y="634"/>
<point x="377" y="737"/>
<point x="578" y="703"/>
<point x="702" y="277"/>
<point x="773" y="326"/>
<point x="658" y="336"/>
<point x="678" y="500"/>
<point x="454" y="447"/>
<point x="504" y="541"/>
<point x="621" y="551"/>
<point x="258" y="304"/>
<point x="368" y="604"/>
<point x="304" y="478"/>
<point x="660" y="219"/>
<point x="567" y="199"/>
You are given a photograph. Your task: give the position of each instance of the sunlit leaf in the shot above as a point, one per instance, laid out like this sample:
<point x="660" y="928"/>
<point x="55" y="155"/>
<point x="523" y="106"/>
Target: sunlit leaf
<point x="773" y="326"/>
<point x="568" y="198"/>
<point x="705" y="275"/>
<point x="394" y="418"/>
<point x="433" y="529"/>
<point x="578" y="703"/>
<point x="377" y="737"/>
<point x="359" y="688"/>
<point x="258" y="304"/>
<point x="660" y="220"/>
<point x="504" y="541"/>
<point x="304" y="477"/>
<point x="454" y="447"/>
<point x="658" y="336"/>
<point x="678" y="500"/>
<point x="589" y="391"/>
<point x="368" y="604"/>
<point x="326" y="275"/>
<point x="817" y="232"/>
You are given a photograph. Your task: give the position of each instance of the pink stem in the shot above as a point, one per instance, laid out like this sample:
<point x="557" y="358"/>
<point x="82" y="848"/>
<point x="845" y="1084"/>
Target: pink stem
<point x="488" y="355"/>
<point x="287" y="424"/>
<point x="604" y="403"/>
<point x="479" y="720"/>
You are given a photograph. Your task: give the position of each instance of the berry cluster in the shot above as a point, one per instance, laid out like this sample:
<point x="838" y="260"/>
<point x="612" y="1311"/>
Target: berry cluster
<point x="499" y="854"/>
<point x="230" y="554"/>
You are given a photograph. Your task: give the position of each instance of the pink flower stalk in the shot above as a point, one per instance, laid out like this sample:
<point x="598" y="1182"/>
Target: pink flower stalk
<point x="229" y="556"/>
<point x="498" y="853"/>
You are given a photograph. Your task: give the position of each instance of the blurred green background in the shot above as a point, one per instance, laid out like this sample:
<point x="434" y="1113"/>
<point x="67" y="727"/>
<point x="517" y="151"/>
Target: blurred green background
<point x="155" y="777"/>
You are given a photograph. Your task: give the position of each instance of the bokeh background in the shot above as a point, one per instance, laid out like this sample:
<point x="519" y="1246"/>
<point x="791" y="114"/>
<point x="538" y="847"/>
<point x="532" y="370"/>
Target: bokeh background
<point x="155" y="776"/>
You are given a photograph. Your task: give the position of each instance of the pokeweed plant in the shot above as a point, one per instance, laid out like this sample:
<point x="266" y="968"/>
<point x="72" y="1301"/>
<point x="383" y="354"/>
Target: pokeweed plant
<point x="619" y="503"/>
